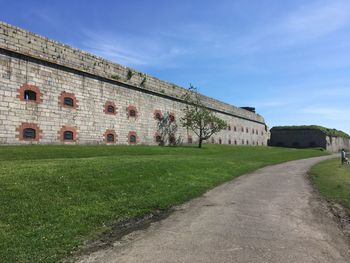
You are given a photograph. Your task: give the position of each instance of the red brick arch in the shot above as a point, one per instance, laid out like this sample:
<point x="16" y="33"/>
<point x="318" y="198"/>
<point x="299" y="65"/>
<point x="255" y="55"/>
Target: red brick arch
<point x="157" y="136"/>
<point x="130" y="109"/>
<point x="110" y="131"/>
<point x="172" y="117"/>
<point x="157" y="113"/>
<point x="30" y="87"/>
<point x="107" y="104"/>
<point x="65" y="94"/>
<point x="68" y="128"/>
<point x="133" y="133"/>
<point x="25" y="125"/>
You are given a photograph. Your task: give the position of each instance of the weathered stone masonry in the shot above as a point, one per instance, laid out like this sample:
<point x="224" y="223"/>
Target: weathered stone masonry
<point x="52" y="93"/>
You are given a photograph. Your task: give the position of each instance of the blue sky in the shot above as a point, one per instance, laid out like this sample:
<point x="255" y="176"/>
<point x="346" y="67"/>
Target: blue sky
<point x="289" y="59"/>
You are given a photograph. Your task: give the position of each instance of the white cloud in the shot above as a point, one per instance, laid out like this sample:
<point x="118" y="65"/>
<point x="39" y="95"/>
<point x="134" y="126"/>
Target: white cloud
<point x="131" y="50"/>
<point x="308" y="23"/>
<point x="316" y="21"/>
<point x="330" y="113"/>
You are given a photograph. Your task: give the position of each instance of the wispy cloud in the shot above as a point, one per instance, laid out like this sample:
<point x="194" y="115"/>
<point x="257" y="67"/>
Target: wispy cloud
<point x="328" y="113"/>
<point x="167" y="45"/>
<point x="131" y="49"/>
<point x="160" y="48"/>
<point x="314" y="21"/>
<point x="307" y="23"/>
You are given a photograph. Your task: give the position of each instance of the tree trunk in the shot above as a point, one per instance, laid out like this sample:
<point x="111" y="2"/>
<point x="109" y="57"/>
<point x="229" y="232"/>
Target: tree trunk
<point x="200" y="139"/>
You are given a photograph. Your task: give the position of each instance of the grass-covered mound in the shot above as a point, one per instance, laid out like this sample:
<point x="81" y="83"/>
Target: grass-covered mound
<point x="53" y="198"/>
<point x="327" y="131"/>
<point x="333" y="181"/>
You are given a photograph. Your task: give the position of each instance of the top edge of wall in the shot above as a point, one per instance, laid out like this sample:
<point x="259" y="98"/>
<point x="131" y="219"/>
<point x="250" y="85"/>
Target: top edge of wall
<point x="21" y="41"/>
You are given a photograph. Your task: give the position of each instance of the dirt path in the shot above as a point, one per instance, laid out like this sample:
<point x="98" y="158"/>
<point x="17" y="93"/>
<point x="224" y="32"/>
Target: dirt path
<point x="271" y="215"/>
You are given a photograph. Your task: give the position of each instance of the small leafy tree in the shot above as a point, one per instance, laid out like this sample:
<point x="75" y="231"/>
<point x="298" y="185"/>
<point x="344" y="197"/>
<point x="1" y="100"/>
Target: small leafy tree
<point x="167" y="129"/>
<point x="198" y="118"/>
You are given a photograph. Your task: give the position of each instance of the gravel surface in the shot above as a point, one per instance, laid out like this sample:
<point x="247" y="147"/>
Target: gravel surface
<point x="271" y="215"/>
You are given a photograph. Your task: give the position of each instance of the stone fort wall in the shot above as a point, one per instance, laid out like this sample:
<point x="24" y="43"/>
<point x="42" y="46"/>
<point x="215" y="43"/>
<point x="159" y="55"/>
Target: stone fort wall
<point x="304" y="138"/>
<point x="54" y="71"/>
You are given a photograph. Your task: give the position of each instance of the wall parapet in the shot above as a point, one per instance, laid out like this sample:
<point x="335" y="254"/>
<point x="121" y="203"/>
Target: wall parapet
<point x="23" y="42"/>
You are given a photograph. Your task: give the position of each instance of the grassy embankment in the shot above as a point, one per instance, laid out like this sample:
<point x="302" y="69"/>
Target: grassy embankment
<point x="333" y="181"/>
<point x="52" y="198"/>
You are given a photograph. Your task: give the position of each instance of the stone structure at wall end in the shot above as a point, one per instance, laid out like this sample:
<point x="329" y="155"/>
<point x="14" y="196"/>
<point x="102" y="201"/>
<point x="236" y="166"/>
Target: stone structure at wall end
<point x="309" y="137"/>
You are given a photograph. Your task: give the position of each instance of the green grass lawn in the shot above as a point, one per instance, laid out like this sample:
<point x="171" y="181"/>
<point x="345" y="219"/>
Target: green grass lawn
<point x="333" y="181"/>
<point x="53" y="198"/>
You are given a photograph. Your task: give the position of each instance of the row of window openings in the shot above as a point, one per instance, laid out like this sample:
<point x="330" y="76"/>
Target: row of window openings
<point x="30" y="133"/>
<point x="31" y="95"/>
<point x="247" y="130"/>
<point x="235" y="142"/>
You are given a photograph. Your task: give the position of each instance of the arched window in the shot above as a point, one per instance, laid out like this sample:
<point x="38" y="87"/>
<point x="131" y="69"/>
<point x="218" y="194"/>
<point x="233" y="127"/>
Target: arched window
<point x="158" y="138"/>
<point x="189" y="140"/>
<point x="242" y="129"/>
<point x="247" y="142"/>
<point x="172" y="117"/>
<point x="29" y="134"/>
<point x="247" y="130"/>
<point x="110" y="109"/>
<point x="229" y="127"/>
<point x="235" y="142"/>
<point x="212" y="140"/>
<point x="67" y="101"/>
<point x="234" y="128"/>
<point x="132" y="113"/>
<point x="172" y="139"/>
<point x="29" y="95"/>
<point x="132" y="139"/>
<point x="220" y="141"/>
<point x="68" y="136"/>
<point x="229" y="141"/>
<point x="158" y="116"/>
<point x="242" y="141"/>
<point x="110" y="137"/>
